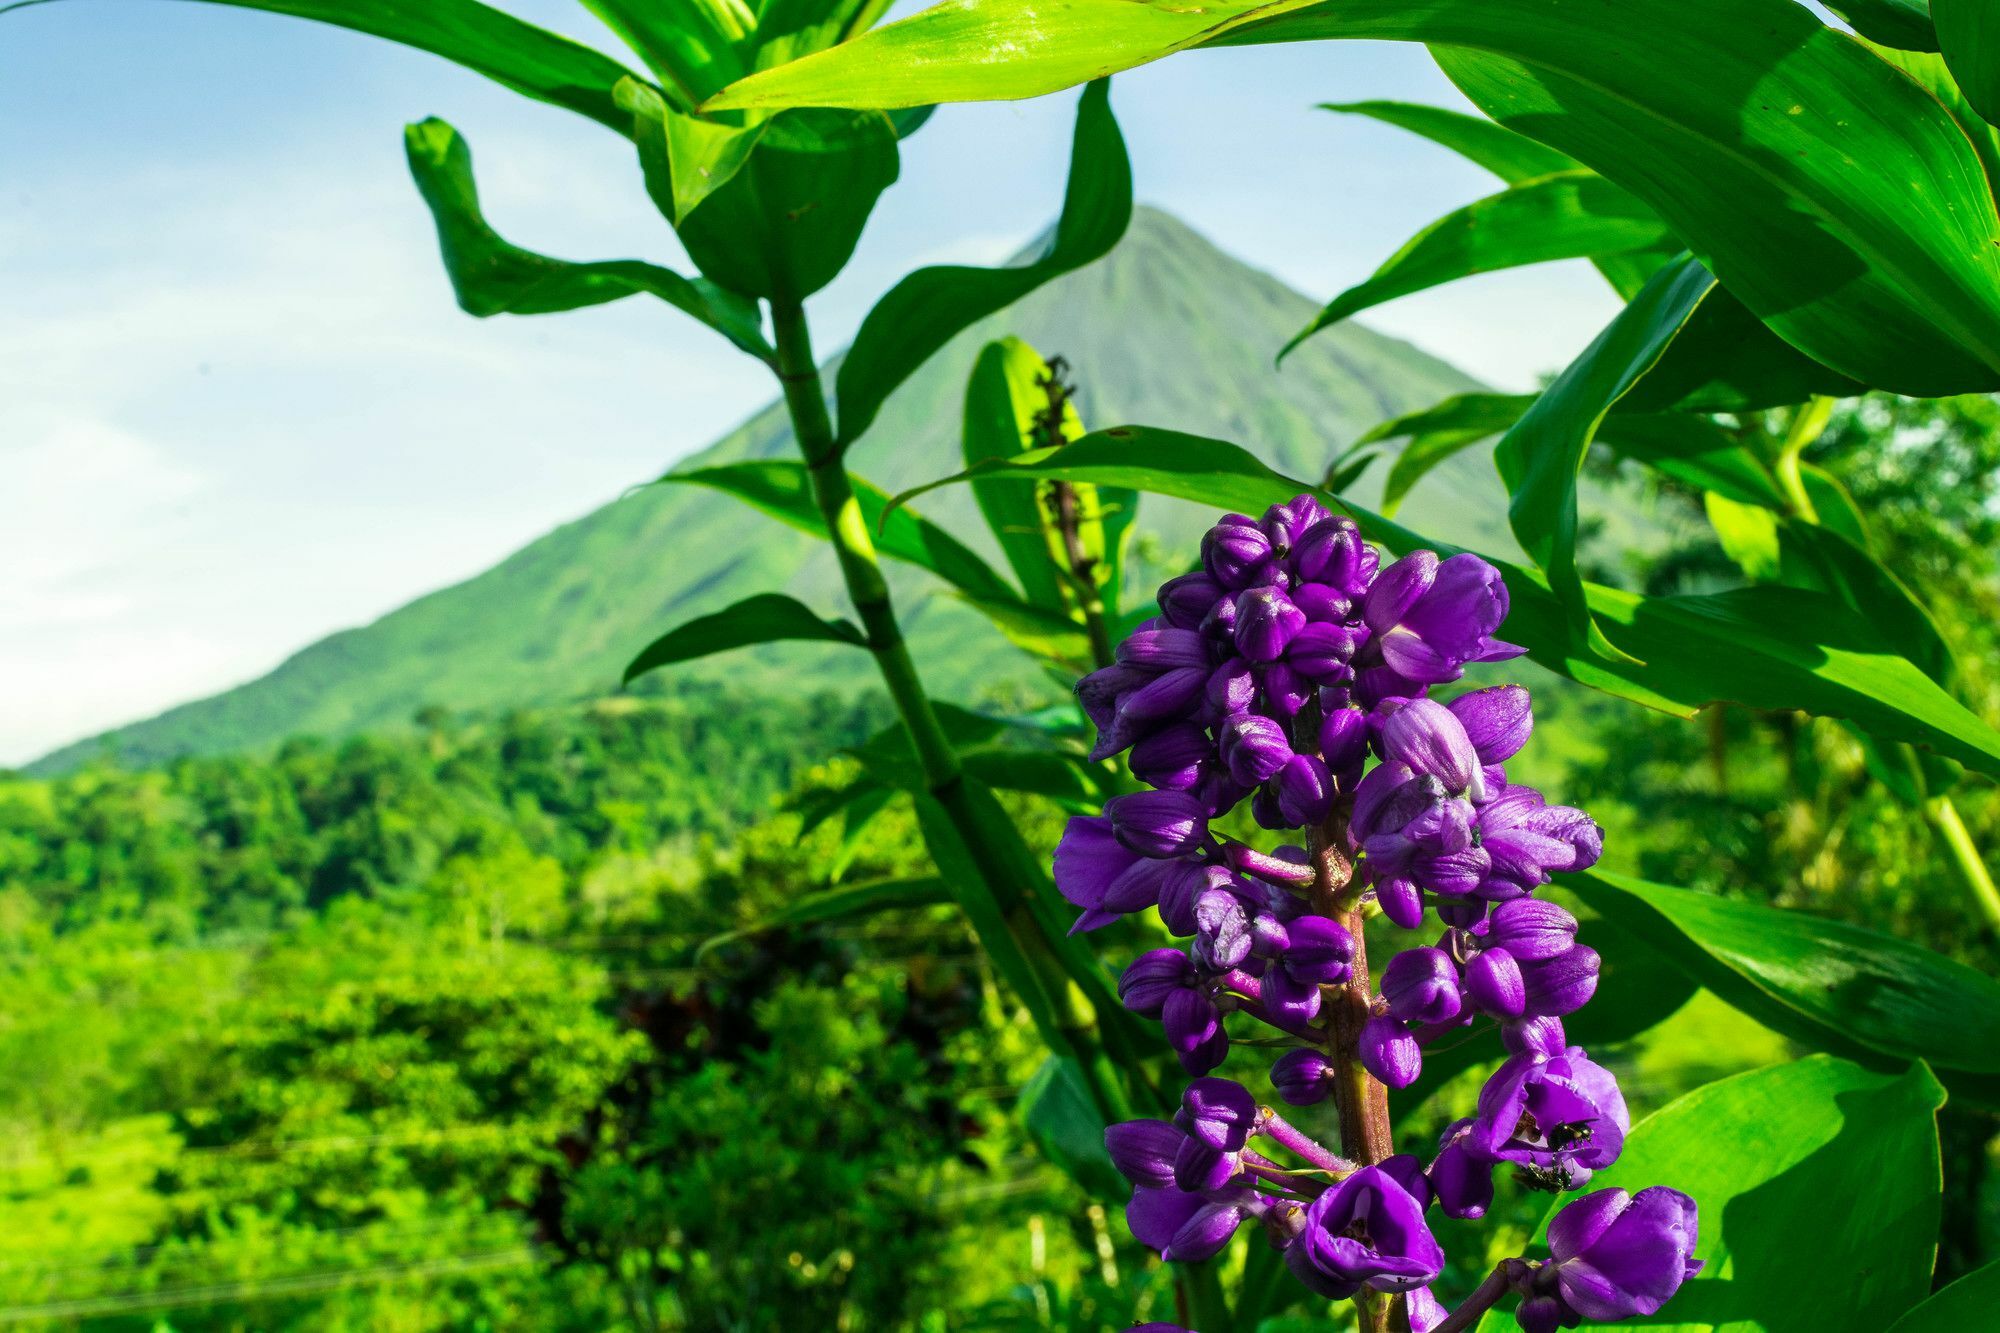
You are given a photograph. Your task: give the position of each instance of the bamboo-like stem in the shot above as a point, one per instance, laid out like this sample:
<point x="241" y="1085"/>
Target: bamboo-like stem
<point x="1073" y="1032"/>
<point x="1964" y="856"/>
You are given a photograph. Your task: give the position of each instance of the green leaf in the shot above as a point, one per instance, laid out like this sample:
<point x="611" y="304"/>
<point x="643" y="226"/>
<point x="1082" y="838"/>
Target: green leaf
<point x="788" y="30"/>
<point x="1439" y="431"/>
<point x="1965" y="1304"/>
<point x="1056" y="1110"/>
<point x="783" y="490"/>
<point x="1817" y="1184"/>
<point x="1867" y="995"/>
<point x="1002" y="398"/>
<point x="685" y="157"/>
<point x="688" y="43"/>
<point x="532" y="61"/>
<point x="1931" y="74"/>
<point x="1693" y="451"/>
<point x="1764" y="648"/>
<point x="1968" y="33"/>
<point x="1748" y="533"/>
<point x="1063" y="778"/>
<point x="1896" y="23"/>
<point x="765" y="618"/>
<point x="1541" y="456"/>
<point x="927" y="308"/>
<point x="1570" y="215"/>
<point x="844" y="903"/>
<point x="1726" y="360"/>
<point x="1876" y="258"/>
<point x="491" y="276"/>
<point x="789" y="214"/>
<point x="1513" y="157"/>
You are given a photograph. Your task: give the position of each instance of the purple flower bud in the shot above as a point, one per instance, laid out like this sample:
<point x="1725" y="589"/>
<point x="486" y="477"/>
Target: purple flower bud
<point x="1619" y="1256"/>
<point x="1186" y="601"/>
<point x="1497" y="721"/>
<point x="1101" y="875"/>
<point x="1268" y="936"/>
<point x="1253" y="748"/>
<point x="1493" y="984"/>
<point x="1343" y="739"/>
<point x="1561" y="985"/>
<point x="1424" y="736"/>
<point x="1540" y="1314"/>
<point x="1100" y="691"/>
<point x="1164" y="649"/>
<point x="1461" y="1179"/>
<point x="1390" y="1052"/>
<point x="1303" y="1076"/>
<point x="1134" y="709"/>
<point x="1332" y="552"/>
<point x="1159" y="824"/>
<point x="1304" y="790"/>
<point x="1461" y="915"/>
<point x="1183" y="1227"/>
<point x="1424" y="1309"/>
<point x="1220" y="1112"/>
<point x="1531" y="929"/>
<point x="1421" y="986"/>
<point x="1323" y="651"/>
<point x="1264" y="809"/>
<point x="1365" y="1231"/>
<point x="1266" y="622"/>
<point x="1194" y="1030"/>
<point x="1143" y="1150"/>
<point x="1324" y="605"/>
<point x="1318" y="950"/>
<point x="1173" y="757"/>
<point x="1431" y="617"/>
<point x="1231" y="688"/>
<point x="1528" y="839"/>
<point x="1401" y="901"/>
<point x="1560" y="1114"/>
<point x="1182" y="887"/>
<point x="1283" y="523"/>
<point x="1284" y="690"/>
<point x="1199" y="1166"/>
<point x="1222" y="929"/>
<point x="1153" y="978"/>
<point x="1534" y="1036"/>
<point x="1236" y="553"/>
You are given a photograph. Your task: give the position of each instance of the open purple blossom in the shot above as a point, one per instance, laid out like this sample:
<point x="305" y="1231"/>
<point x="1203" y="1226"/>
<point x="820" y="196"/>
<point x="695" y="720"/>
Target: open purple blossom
<point x="1293" y="673"/>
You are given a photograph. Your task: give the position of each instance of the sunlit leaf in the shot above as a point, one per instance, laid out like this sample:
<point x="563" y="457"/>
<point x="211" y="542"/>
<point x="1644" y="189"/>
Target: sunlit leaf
<point x="690" y="44"/>
<point x="1896" y="23"/>
<point x="765" y="618"/>
<point x="1437" y="432"/>
<point x="1511" y="156"/>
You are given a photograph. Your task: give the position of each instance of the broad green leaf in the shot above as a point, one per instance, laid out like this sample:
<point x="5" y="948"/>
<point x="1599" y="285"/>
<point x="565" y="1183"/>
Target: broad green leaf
<point x="1726" y="360"/>
<point x="1570" y="215"/>
<point x="1748" y="533"/>
<point x="1854" y="575"/>
<point x="1764" y="648"/>
<point x="1063" y="778"/>
<point x="839" y="904"/>
<point x="783" y="490"/>
<point x="1835" y="505"/>
<point x="1895" y="23"/>
<point x="927" y="308"/>
<point x="1934" y="77"/>
<point x="532" y="61"/>
<point x="1055" y="1107"/>
<point x="789" y="30"/>
<point x="1965" y="1304"/>
<point x="1437" y="432"/>
<point x="1817" y="1185"/>
<point x="788" y="216"/>
<point x="1867" y="995"/>
<point x="686" y="157"/>
<point x="765" y="618"/>
<point x="1877" y="259"/>
<point x="1513" y="157"/>
<point x="1968" y="34"/>
<point x="689" y="43"/>
<point x="1693" y="451"/>
<point x="492" y="277"/>
<point x="1542" y="454"/>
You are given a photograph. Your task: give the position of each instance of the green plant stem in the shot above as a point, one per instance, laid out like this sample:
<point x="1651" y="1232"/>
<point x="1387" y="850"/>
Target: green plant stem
<point x="1067" y="1020"/>
<point x="1083" y="573"/>
<point x="1964" y="856"/>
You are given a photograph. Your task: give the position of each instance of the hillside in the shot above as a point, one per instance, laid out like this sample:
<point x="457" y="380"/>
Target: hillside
<point x="1167" y="329"/>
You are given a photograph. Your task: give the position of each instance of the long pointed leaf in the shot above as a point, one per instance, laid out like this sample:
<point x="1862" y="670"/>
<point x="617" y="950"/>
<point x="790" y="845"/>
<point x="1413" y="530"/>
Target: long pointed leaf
<point x="764" y="618"/>
<point x="532" y="61"/>
<point x="1439" y="431"/>
<point x="926" y="309"/>
<point x="839" y="904"/>
<point x="688" y="43"/>
<point x="1571" y="215"/>
<point x="1508" y="154"/>
<point x="1968" y="33"/>
<point x="491" y="276"/>
<point x="1765" y="648"/>
<point x="1001" y="400"/>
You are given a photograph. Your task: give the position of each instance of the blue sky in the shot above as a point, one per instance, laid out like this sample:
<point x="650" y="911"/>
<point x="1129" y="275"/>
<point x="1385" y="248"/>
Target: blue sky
<point x="241" y="410"/>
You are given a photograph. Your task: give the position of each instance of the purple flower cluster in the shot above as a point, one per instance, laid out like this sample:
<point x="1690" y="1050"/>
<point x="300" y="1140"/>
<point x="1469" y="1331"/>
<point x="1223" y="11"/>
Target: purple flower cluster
<point x="1274" y="675"/>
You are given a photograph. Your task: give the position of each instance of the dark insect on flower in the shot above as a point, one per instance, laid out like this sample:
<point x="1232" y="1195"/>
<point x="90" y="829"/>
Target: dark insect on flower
<point x="1557" y="1179"/>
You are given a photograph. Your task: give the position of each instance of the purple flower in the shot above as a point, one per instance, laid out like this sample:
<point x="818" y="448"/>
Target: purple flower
<point x="1305" y="791"/>
<point x="1253" y="748"/>
<point x="1151" y="979"/>
<point x="1266" y="622"/>
<point x="1530" y="929"/>
<point x="1283" y="523"/>
<point x="1317" y="952"/>
<point x="1493" y="983"/>
<point x="1367" y="1230"/>
<point x="1332" y="552"/>
<point x="1427" y="738"/>
<point x="1390" y="1051"/>
<point x="1617" y="1255"/>
<point x="1343" y="739"/>
<point x="1184" y="1227"/>
<point x="1303" y="1076"/>
<point x="1526" y="838"/>
<point x="1323" y="651"/>
<point x="1552" y="987"/>
<point x="1497" y="721"/>
<point x="1126" y="703"/>
<point x="1461" y="1178"/>
<point x="1431" y="617"/>
<point x="1144" y="1150"/>
<point x="1236" y="553"/>
<point x="1194" y="1030"/>
<point x="1175" y="757"/>
<point x="1222" y="930"/>
<point x="1421" y="986"/>
<point x="1186" y="601"/>
<point x="1158" y="824"/>
<point x="1106" y="878"/>
<point x="1561" y="1116"/>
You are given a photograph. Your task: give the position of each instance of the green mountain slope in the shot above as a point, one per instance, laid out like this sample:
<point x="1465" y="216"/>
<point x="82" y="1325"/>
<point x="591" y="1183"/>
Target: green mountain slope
<point x="1166" y="330"/>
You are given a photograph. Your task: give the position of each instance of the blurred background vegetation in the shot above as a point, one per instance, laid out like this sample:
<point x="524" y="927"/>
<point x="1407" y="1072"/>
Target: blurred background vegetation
<point x="415" y="1030"/>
